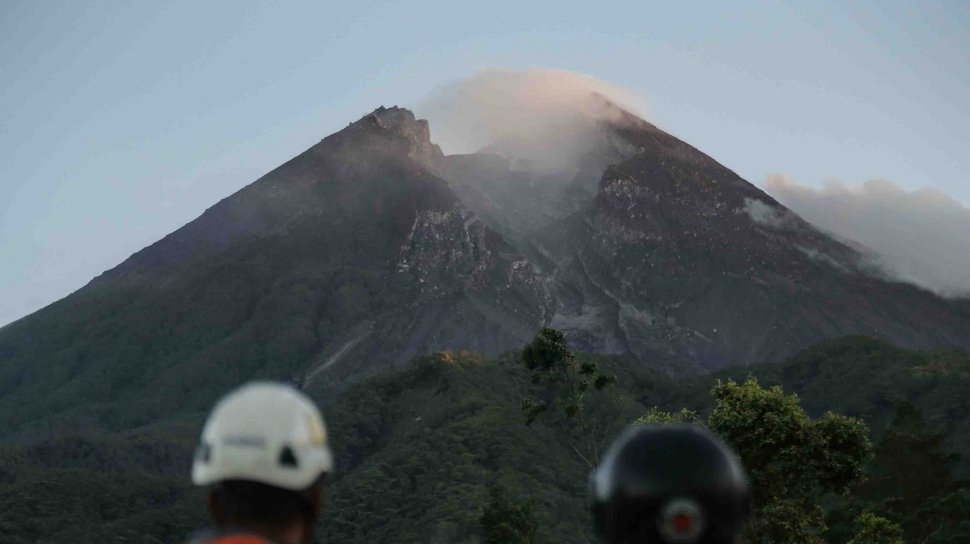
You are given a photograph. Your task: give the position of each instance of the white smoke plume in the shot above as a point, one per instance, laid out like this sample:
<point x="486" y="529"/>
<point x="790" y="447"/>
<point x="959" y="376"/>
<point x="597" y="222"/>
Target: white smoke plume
<point x="922" y="236"/>
<point x="545" y="115"/>
<point x="769" y="216"/>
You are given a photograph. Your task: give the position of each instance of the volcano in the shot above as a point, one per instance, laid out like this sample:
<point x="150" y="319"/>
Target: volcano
<point x="373" y="247"/>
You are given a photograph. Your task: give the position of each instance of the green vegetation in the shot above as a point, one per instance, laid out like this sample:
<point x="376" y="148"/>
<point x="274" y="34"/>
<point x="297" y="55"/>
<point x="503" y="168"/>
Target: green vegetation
<point x="911" y="486"/>
<point x="877" y="530"/>
<point x="792" y="461"/>
<point x="134" y="358"/>
<point x="568" y="382"/>
<point x="96" y="487"/>
<point x="419" y="451"/>
<point x="506" y="522"/>
<point x="868" y="379"/>
<point x="656" y="416"/>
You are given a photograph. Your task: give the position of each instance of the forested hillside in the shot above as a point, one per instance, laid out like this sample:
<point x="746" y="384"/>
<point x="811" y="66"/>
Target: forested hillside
<point x="419" y="449"/>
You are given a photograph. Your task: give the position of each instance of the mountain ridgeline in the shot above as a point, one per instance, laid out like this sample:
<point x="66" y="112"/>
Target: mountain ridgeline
<point x="372" y="248"/>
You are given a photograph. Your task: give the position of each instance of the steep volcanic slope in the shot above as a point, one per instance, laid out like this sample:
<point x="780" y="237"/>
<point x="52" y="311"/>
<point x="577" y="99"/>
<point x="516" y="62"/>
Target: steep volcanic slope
<point x="677" y="259"/>
<point x="518" y="199"/>
<point x="349" y="258"/>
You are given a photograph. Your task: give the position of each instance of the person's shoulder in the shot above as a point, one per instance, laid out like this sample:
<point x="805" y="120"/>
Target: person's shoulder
<point x="239" y="539"/>
<point x="208" y="537"/>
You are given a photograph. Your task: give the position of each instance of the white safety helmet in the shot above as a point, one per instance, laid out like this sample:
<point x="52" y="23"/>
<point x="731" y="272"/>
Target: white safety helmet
<point x="263" y="432"/>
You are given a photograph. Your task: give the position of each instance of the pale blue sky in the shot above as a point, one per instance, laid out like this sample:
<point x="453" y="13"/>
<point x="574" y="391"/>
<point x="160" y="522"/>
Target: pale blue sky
<point x="121" y="121"/>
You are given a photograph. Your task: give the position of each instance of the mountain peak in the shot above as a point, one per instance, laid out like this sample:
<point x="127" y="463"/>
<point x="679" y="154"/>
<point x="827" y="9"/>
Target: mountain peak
<point x="402" y="122"/>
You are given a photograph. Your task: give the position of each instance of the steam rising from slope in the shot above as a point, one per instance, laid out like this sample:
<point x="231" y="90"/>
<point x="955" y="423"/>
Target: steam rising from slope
<point x="921" y="237"/>
<point x="542" y="116"/>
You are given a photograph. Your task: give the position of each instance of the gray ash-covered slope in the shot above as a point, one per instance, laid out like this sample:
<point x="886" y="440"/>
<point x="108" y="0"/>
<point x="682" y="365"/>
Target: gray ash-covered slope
<point x="677" y="260"/>
<point x="349" y="258"/>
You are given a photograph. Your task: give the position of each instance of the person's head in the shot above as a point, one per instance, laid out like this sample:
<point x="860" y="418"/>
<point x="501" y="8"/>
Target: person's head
<point x="264" y="454"/>
<point x="676" y="484"/>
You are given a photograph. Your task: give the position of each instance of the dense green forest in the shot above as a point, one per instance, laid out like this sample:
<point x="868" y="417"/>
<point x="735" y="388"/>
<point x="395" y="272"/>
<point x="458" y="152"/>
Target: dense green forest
<point x="423" y="450"/>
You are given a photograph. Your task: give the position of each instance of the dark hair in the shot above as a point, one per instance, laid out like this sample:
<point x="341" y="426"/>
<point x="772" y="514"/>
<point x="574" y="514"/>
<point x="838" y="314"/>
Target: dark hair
<point x="254" y="502"/>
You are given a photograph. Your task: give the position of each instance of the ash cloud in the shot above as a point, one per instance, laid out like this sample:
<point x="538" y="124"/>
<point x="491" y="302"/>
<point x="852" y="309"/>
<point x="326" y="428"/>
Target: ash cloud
<point x="922" y="237"/>
<point x="540" y="117"/>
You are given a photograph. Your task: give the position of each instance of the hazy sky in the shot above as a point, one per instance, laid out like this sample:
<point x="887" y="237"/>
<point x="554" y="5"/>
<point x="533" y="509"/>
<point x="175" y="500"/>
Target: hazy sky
<point x="122" y="121"/>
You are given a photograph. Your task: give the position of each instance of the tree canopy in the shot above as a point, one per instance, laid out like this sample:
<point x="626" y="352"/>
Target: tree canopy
<point x="418" y="448"/>
<point x="793" y="460"/>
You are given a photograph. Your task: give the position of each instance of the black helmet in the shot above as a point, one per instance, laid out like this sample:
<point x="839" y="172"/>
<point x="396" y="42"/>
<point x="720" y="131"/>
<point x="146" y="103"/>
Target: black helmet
<point x="675" y="484"/>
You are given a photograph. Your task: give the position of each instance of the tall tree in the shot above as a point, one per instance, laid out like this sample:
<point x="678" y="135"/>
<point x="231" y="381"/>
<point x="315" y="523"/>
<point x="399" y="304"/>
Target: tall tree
<point x="569" y="383"/>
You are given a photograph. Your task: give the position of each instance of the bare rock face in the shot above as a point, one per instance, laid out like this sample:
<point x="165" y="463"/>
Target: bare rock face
<point x="454" y="251"/>
<point x="678" y="259"/>
<point x="651" y="248"/>
<point x="416" y="131"/>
